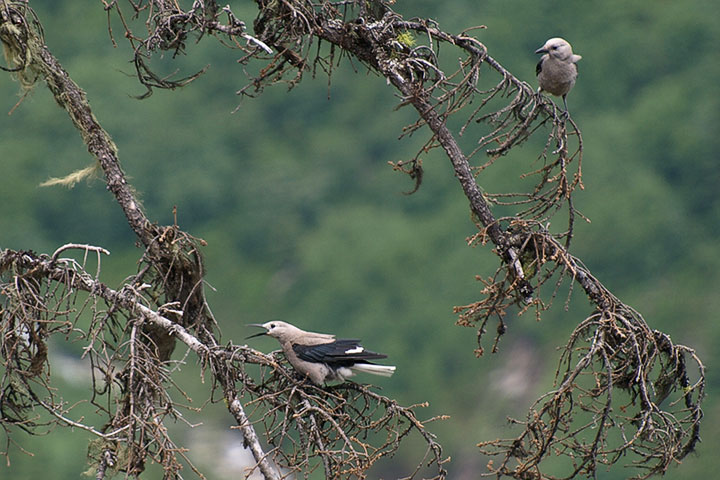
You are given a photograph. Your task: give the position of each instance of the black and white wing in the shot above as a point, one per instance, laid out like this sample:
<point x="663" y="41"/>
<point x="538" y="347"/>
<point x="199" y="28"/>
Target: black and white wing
<point x="343" y="352"/>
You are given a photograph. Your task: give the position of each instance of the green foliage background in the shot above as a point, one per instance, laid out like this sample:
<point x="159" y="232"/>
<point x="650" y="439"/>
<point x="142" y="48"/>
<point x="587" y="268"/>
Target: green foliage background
<point x="306" y="222"/>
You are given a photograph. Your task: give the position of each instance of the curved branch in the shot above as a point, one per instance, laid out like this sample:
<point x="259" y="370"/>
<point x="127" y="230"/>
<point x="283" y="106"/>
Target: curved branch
<point x="345" y="435"/>
<point x="55" y="269"/>
<point x="70" y="97"/>
<point x="623" y="355"/>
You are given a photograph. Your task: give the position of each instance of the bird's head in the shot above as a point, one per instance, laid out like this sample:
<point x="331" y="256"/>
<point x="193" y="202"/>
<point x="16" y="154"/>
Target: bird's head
<point x="276" y="329"/>
<point x="558" y="48"/>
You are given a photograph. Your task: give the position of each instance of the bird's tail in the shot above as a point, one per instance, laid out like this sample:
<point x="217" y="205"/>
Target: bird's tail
<point x="382" y="370"/>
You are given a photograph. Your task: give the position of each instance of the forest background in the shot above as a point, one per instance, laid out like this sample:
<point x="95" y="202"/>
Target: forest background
<point x="306" y="222"/>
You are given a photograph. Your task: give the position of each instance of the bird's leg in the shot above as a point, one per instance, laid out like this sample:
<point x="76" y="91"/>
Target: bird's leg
<point x="567" y="112"/>
<point x="561" y="126"/>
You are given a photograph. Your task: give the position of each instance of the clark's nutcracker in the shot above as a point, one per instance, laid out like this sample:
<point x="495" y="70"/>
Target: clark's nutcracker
<point x="320" y="356"/>
<point x="557" y="69"/>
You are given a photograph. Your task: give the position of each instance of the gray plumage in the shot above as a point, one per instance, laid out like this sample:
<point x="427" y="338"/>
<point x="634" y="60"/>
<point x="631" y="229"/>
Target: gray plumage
<point x="557" y="69"/>
<point x="320" y="357"/>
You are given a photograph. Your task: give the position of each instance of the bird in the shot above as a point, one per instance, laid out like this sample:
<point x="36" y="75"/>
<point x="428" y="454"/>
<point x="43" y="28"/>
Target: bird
<point x="319" y="356"/>
<point x="557" y="69"/>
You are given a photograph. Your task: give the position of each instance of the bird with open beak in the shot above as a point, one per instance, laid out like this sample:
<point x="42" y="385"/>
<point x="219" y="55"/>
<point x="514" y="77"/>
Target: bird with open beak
<point x="557" y="69"/>
<point x="319" y="356"/>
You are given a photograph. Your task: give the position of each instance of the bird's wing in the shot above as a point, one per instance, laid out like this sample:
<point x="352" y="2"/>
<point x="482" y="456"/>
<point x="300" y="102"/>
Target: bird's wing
<point x="341" y="352"/>
<point x="538" y="67"/>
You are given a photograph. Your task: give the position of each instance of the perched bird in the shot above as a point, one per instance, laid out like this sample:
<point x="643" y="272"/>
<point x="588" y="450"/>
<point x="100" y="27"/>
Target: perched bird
<point x="557" y="69"/>
<point x="320" y="356"/>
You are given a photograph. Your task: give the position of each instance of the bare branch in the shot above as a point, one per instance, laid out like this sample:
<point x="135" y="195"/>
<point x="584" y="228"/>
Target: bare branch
<point x="622" y="391"/>
<point x="342" y="426"/>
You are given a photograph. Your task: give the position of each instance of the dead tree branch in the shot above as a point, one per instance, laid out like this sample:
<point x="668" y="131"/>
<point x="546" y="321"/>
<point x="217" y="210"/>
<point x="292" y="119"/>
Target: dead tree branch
<point x="347" y="428"/>
<point x="624" y="392"/>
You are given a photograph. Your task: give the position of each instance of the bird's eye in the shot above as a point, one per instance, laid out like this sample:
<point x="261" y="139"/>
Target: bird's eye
<point x="554" y="47"/>
<point x="272" y="325"/>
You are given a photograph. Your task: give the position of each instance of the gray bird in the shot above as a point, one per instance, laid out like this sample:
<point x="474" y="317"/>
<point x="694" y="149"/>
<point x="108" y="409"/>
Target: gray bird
<point x="557" y="69"/>
<point x="321" y="357"/>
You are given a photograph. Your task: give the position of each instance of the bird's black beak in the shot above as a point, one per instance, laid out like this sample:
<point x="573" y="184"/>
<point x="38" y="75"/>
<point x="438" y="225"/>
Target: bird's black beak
<point x="257" y="334"/>
<point x="541" y="50"/>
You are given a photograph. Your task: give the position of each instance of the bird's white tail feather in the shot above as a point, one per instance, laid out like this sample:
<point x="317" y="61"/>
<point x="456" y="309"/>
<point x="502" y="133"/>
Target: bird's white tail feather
<point x="382" y="370"/>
